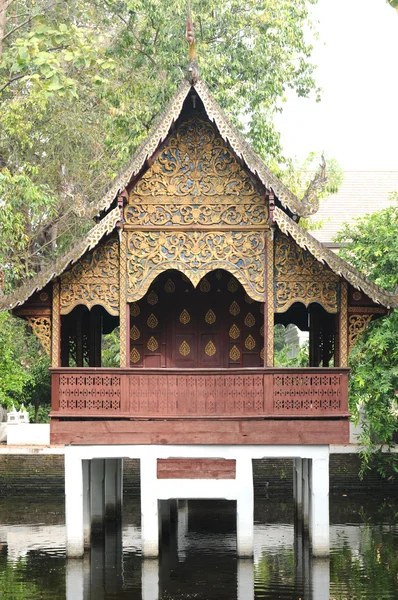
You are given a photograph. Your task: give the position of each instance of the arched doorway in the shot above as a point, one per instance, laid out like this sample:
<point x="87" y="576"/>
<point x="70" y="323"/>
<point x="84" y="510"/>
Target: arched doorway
<point x="215" y="325"/>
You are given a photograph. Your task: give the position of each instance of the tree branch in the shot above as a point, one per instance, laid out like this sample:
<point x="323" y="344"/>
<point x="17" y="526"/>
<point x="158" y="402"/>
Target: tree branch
<point x="18" y="27"/>
<point x="10" y="81"/>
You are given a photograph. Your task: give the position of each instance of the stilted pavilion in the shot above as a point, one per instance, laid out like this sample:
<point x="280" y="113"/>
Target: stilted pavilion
<point x="197" y="252"/>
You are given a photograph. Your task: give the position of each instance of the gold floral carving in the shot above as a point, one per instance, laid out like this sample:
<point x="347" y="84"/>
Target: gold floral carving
<point x="93" y="280"/>
<point x="152" y="321"/>
<point x="356" y="325"/>
<point x="339" y="266"/>
<point x="56" y="327"/>
<point x="249" y="320"/>
<point x="234" y="332"/>
<point x="234" y="309"/>
<point x="210" y="349"/>
<point x="210" y="317"/>
<point x="196" y="180"/>
<point x="184" y="348"/>
<point x="250" y="342"/>
<point x="234" y="353"/>
<point x="195" y="254"/>
<point x="135" y="333"/>
<point x="299" y="277"/>
<point x="41" y="327"/>
<point x="152" y="344"/>
<point x="124" y="342"/>
<point x="185" y="317"/>
<point x="343" y="326"/>
<point x="135" y="356"/>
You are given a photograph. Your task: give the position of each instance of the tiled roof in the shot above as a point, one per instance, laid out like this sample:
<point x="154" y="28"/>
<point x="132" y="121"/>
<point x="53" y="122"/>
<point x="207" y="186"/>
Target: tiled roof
<point x="361" y="192"/>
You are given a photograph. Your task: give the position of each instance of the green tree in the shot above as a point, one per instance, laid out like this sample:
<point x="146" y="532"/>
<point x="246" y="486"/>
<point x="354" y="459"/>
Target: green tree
<point x="372" y="246"/>
<point x="81" y="83"/>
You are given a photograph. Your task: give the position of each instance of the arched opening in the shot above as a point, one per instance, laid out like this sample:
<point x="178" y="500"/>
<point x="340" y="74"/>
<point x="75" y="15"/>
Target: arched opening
<point x="213" y="325"/>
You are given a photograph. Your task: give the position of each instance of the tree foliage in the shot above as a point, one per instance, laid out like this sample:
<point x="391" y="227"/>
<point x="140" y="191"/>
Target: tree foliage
<point x="81" y="83"/>
<point x="372" y="246"/>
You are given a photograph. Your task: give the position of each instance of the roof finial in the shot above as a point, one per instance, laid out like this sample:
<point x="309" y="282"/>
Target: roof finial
<point x="193" y="68"/>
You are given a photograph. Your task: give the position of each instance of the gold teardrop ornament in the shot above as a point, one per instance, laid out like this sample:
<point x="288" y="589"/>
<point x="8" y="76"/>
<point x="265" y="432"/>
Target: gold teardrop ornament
<point x="262" y="330"/>
<point x="234" y="332"/>
<point x="249" y="320"/>
<point x="184" y="348"/>
<point x="262" y="354"/>
<point x="135" y="356"/>
<point x="250" y="343"/>
<point x="210" y="317"/>
<point x="234" y="353"/>
<point x="152" y="298"/>
<point x="234" y="309"/>
<point x="135" y="309"/>
<point x="152" y="344"/>
<point x="204" y="285"/>
<point x="248" y="299"/>
<point x="134" y="333"/>
<point x="185" y="317"/>
<point x="232" y="285"/>
<point x="169" y="286"/>
<point x="210" y="349"/>
<point x="152" y="321"/>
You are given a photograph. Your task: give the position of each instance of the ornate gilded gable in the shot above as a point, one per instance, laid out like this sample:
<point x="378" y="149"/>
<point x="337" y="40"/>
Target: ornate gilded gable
<point x="93" y="280"/>
<point x="196" y="180"/>
<point x="300" y="277"/>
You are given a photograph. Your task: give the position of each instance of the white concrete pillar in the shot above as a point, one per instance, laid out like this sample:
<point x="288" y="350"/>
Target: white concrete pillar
<point x="319" y="505"/>
<point x="320" y="578"/>
<point x="74" y="579"/>
<point x="73" y="504"/>
<point x="245" y="575"/>
<point x="149" y="507"/>
<point x="97" y="492"/>
<point x="86" y="502"/>
<point x="305" y="493"/>
<point x="150" y="579"/>
<point x="244" y="507"/>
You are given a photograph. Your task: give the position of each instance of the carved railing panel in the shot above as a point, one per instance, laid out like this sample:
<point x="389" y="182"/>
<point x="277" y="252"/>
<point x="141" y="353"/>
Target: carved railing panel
<point x="200" y="393"/>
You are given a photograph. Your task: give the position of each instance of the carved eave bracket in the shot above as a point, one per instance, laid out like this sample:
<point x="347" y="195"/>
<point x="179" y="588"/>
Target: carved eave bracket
<point x="41" y="327"/>
<point x="356" y="325"/>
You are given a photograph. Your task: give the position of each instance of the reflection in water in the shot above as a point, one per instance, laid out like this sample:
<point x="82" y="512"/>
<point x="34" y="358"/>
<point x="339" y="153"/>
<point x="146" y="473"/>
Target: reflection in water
<point x="198" y="558"/>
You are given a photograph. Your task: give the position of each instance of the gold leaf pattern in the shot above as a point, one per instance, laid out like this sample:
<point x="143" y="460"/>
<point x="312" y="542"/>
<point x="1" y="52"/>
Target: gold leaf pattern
<point x="152" y="344"/>
<point x="152" y="298"/>
<point x="204" y="285"/>
<point x="184" y="348"/>
<point x="234" y="332"/>
<point x="135" y="309"/>
<point x="134" y="333"/>
<point x="185" y="317"/>
<point x="249" y="320"/>
<point x="262" y="354"/>
<point x="135" y="356"/>
<point x="234" y="309"/>
<point x="262" y="330"/>
<point x="232" y="285"/>
<point x="248" y="299"/>
<point x="169" y="286"/>
<point x="152" y="321"/>
<point x="210" y="317"/>
<point x="234" y="353"/>
<point x="210" y="349"/>
<point x="250" y="342"/>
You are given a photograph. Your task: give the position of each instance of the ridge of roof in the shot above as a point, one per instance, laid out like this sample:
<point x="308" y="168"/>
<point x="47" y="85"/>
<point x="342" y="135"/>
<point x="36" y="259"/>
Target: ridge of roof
<point x="305" y="207"/>
<point x="339" y="266"/>
<point x="35" y="284"/>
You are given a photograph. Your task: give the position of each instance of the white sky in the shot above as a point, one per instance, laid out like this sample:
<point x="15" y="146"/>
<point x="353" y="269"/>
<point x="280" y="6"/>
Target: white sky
<point x="356" y="121"/>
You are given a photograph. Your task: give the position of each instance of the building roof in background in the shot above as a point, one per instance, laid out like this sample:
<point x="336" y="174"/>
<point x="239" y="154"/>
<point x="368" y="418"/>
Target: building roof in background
<point x="361" y="192"/>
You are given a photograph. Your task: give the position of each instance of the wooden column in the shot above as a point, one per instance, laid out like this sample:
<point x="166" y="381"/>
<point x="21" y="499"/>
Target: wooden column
<point x="95" y="337"/>
<point x="56" y="328"/>
<point x="269" y="302"/>
<point x="124" y="307"/>
<point x="343" y="329"/>
<point x="79" y="337"/>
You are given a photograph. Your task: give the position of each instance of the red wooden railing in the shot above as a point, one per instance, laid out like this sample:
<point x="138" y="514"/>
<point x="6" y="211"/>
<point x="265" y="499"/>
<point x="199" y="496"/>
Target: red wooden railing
<point x="199" y="393"/>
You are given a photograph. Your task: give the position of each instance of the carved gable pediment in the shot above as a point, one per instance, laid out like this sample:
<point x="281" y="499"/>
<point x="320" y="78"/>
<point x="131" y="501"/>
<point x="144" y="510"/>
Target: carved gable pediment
<point x="196" y="180"/>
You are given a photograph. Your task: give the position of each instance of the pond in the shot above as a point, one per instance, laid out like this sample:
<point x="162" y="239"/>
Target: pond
<point x="198" y="554"/>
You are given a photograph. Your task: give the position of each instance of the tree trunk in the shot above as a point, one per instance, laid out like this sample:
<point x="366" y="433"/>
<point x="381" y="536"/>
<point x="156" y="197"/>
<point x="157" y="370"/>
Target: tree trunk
<point x="3" y="21"/>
